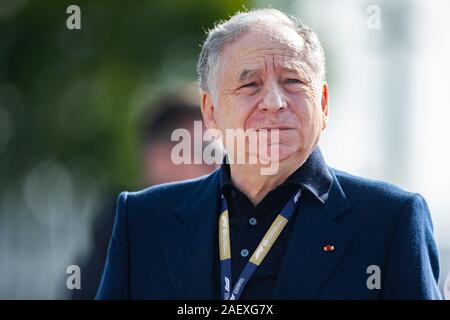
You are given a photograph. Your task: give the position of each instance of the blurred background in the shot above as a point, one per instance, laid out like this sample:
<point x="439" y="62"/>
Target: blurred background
<point x="87" y="113"/>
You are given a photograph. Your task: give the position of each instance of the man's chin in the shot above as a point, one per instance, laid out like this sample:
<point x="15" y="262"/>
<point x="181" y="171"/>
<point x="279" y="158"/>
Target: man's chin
<point x="278" y="153"/>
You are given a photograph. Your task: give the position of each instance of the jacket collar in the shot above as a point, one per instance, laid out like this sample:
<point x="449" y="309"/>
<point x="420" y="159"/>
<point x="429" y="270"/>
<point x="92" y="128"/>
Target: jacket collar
<point x="313" y="175"/>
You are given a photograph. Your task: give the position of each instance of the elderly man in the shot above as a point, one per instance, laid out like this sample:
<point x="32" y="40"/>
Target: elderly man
<point x="304" y="232"/>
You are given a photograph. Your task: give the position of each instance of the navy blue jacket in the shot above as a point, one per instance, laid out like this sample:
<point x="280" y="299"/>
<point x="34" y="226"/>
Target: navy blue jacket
<point x="164" y="239"/>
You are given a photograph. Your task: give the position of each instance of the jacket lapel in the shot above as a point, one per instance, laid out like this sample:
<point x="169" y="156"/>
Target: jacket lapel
<point x="190" y="249"/>
<point x="306" y="264"/>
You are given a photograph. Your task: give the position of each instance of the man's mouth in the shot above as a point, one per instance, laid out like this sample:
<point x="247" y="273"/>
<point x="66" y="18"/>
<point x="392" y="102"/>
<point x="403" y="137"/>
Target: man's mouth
<point x="280" y="128"/>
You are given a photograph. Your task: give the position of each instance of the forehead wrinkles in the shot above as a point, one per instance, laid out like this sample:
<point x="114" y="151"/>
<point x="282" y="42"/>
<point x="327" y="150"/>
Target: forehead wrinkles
<point x="265" y="41"/>
<point x="260" y="52"/>
<point x="268" y="63"/>
<point x="259" y="58"/>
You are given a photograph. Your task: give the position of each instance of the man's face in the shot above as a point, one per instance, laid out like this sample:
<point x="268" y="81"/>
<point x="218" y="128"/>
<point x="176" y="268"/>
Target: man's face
<point x="263" y="82"/>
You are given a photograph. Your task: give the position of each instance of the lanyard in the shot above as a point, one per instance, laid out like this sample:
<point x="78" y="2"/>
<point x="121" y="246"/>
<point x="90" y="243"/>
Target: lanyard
<point x="228" y="293"/>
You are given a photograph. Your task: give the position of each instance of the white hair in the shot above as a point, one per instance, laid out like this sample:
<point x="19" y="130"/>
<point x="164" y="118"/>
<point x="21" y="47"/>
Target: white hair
<point x="227" y="32"/>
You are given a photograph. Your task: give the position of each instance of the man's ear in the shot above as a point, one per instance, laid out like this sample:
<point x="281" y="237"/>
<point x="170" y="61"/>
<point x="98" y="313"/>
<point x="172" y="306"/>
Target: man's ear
<point x="208" y="110"/>
<point x="324" y="104"/>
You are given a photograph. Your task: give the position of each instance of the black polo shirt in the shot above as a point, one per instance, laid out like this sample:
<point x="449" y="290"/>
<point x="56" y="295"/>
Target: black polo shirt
<point x="249" y="223"/>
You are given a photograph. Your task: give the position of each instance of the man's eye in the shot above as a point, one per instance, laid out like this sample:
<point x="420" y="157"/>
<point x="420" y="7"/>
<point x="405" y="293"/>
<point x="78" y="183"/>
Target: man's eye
<point x="293" y="81"/>
<point x="249" y="85"/>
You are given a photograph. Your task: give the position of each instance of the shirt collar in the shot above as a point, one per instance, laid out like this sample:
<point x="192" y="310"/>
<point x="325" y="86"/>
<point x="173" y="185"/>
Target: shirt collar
<point x="313" y="175"/>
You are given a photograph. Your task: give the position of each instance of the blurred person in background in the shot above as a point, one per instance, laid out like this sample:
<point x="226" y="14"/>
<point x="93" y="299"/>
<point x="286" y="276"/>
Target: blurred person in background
<point x="156" y="125"/>
<point x="172" y="113"/>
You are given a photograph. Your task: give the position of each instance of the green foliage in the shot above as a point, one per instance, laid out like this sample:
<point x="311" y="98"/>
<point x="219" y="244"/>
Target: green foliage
<point x="70" y="95"/>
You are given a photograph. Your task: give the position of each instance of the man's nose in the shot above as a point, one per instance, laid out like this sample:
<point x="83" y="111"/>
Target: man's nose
<point x="273" y="99"/>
